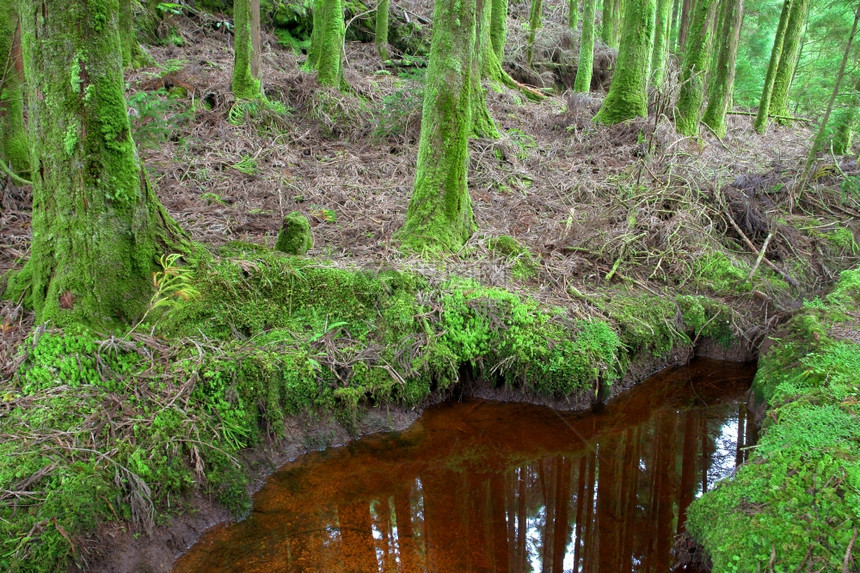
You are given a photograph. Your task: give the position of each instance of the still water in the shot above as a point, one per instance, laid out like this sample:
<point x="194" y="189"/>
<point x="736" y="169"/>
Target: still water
<point x="488" y="487"/>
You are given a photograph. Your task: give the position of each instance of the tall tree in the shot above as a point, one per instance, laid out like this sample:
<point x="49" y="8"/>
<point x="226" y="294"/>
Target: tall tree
<point x="760" y="123"/>
<point x="661" y="41"/>
<point x="573" y="14"/>
<point x="132" y="54"/>
<point x="381" y="28"/>
<point x="610" y="24"/>
<point x="246" y="49"/>
<point x="325" y="54"/>
<point x="535" y="13"/>
<point x="628" y="97"/>
<point x="13" y="135"/>
<point x="694" y="67"/>
<point x="440" y="216"/>
<point x="582" y="81"/>
<point x="819" y="136"/>
<point x="788" y="60"/>
<point x="499" y="27"/>
<point x="98" y="229"/>
<point x="482" y="123"/>
<point x="723" y="78"/>
<point x="687" y="9"/>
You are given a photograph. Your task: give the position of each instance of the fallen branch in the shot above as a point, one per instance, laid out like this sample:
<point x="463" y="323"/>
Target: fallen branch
<point x="788" y="117"/>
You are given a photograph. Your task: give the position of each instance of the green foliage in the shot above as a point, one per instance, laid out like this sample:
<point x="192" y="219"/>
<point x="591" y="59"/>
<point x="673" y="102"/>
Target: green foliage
<point x="157" y="116"/>
<point x="525" y="263"/>
<point x="797" y="502"/>
<point x="647" y="323"/>
<point x="703" y="316"/>
<point x="401" y="109"/>
<point x="717" y="272"/>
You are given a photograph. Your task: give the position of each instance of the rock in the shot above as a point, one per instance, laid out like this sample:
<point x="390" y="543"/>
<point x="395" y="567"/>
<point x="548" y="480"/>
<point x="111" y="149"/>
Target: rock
<point x="295" y="236"/>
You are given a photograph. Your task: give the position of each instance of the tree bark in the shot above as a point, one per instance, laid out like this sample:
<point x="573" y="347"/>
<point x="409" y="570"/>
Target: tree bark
<point x="13" y="135"/>
<point x="381" y="29"/>
<point x="573" y="14"/>
<point x="789" y="58"/>
<point x="534" y="25"/>
<point x="585" y="69"/>
<point x="327" y="42"/>
<point x="627" y="96"/>
<point x="684" y="23"/>
<point x="482" y="123"/>
<point x="499" y="27"/>
<point x="246" y="49"/>
<point x="694" y="68"/>
<point x="760" y="123"/>
<point x="661" y="41"/>
<point x="440" y="216"/>
<point x="723" y="80"/>
<point x="98" y="229"/>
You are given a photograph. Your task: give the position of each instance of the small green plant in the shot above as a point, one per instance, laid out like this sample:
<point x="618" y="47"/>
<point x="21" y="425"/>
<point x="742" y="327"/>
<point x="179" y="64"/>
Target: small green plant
<point x="247" y="165"/>
<point x="212" y="198"/>
<point x="172" y="285"/>
<point x="157" y="116"/>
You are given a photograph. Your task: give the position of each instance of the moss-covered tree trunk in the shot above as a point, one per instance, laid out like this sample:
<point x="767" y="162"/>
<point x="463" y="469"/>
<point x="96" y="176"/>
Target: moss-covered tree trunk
<point x="327" y="42"/>
<point x="760" y="123"/>
<point x="482" y="123"/>
<point x="98" y="229"/>
<point x="677" y="5"/>
<point x="687" y="8"/>
<point x="534" y="25"/>
<point x="661" y="41"/>
<point x="13" y="135"/>
<point x="440" y="216"/>
<point x="585" y="68"/>
<point x="610" y="24"/>
<point x="843" y="133"/>
<point x="788" y="60"/>
<point x="628" y="97"/>
<point x="694" y="68"/>
<point x="573" y="14"/>
<point x="381" y="29"/>
<point x="132" y="54"/>
<point x="723" y="77"/>
<point x="499" y="27"/>
<point x="246" y="49"/>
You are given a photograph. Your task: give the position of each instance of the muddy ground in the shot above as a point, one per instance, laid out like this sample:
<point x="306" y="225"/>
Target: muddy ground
<point x="585" y="199"/>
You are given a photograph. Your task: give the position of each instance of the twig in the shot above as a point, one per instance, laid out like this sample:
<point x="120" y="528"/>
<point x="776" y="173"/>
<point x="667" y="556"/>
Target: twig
<point x="803" y="119"/>
<point x="848" y="558"/>
<point x="760" y="256"/>
<point x="12" y="175"/>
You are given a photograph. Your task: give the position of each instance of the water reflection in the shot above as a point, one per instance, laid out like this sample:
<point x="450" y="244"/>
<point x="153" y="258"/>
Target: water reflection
<point x="487" y="487"/>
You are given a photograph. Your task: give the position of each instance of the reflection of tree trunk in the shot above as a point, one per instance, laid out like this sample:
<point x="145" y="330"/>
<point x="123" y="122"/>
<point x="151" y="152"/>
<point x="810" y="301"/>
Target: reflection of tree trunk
<point x="356" y="537"/>
<point x="478" y="545"/>
<point x="580" y="509"/>
<point x="405" y="538"/>
<point x="562" y="525"/>
<point x="497" y="523"/>
<point x="546" y="469"/>
<point x="751" y="433"/>
<point x="629" y="490"/>
<point x="387" y="541"/>
<point x="608" y="502"/>
<point x="511" y="504"/>
<point x="688" y="466"/>
<point x="664" y="490"/>
<point x="590" y="560"/>
<point x="706" y="455"/>
<point x="739" y="448"/>
<point x="522" y="550"/>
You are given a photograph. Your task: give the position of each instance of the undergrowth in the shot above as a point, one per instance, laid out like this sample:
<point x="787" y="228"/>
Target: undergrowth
<point x="796" y="504"/>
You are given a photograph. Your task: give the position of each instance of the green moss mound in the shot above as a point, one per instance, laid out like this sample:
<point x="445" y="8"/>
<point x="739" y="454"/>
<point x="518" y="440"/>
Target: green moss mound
<point x="796" y="503"/>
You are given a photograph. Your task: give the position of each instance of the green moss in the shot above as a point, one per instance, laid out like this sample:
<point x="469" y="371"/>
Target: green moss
<point x="525" y="263"/>
<point x="13" y="137"/>
<point x="796" y="503"/>
<point x="722" y="275"/>
<point x="789" y="57"/>
<point x="843" y="238"/>
<point x="703" y="316"/>
<point x="381" y="28"/>
<point x="246" y="85"/>
<point x="647" y="323"/>
<point x="295" y="236"/>
<point x="585" y="67"/>
<point x="327" y="42"/>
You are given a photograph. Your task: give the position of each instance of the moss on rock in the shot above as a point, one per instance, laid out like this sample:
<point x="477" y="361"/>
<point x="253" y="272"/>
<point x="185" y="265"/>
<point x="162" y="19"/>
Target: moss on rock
<point x="295" y="236"/>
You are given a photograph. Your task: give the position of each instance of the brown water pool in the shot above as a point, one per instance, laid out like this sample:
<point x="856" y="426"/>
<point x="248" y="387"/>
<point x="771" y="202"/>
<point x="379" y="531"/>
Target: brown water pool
<point x="487" y="487"/>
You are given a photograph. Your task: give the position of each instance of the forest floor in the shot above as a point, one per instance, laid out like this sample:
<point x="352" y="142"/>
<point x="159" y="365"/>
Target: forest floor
<point x="593" y="211"/>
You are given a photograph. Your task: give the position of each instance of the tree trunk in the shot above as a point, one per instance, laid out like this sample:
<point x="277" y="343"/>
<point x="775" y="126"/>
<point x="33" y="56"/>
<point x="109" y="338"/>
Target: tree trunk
<point x="694" y="69"/>
<point x="13" y="135"/>
<point x="382" y="29"/>
<point x="788" y="60"/>
<point x="246" y="49"/>
<point x="573" y="14"/>
<point x="627" y="96"/>
<point x="610" y="24"/>
<point x="723" y="79"/>
<point x="661" y="41"/>
<point x="534" y="25"/>
<point x="760" y="123"/>
<point x="98" y="229"/>
<point x="327" y="42"/>
<point x="482" y="123"/>
<point x="582" y="82"/>
<point x="440" y="216"/>
<point x="499" y="27"/>
<point x="844" y="130"/>
<point x="684" y="23"/>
